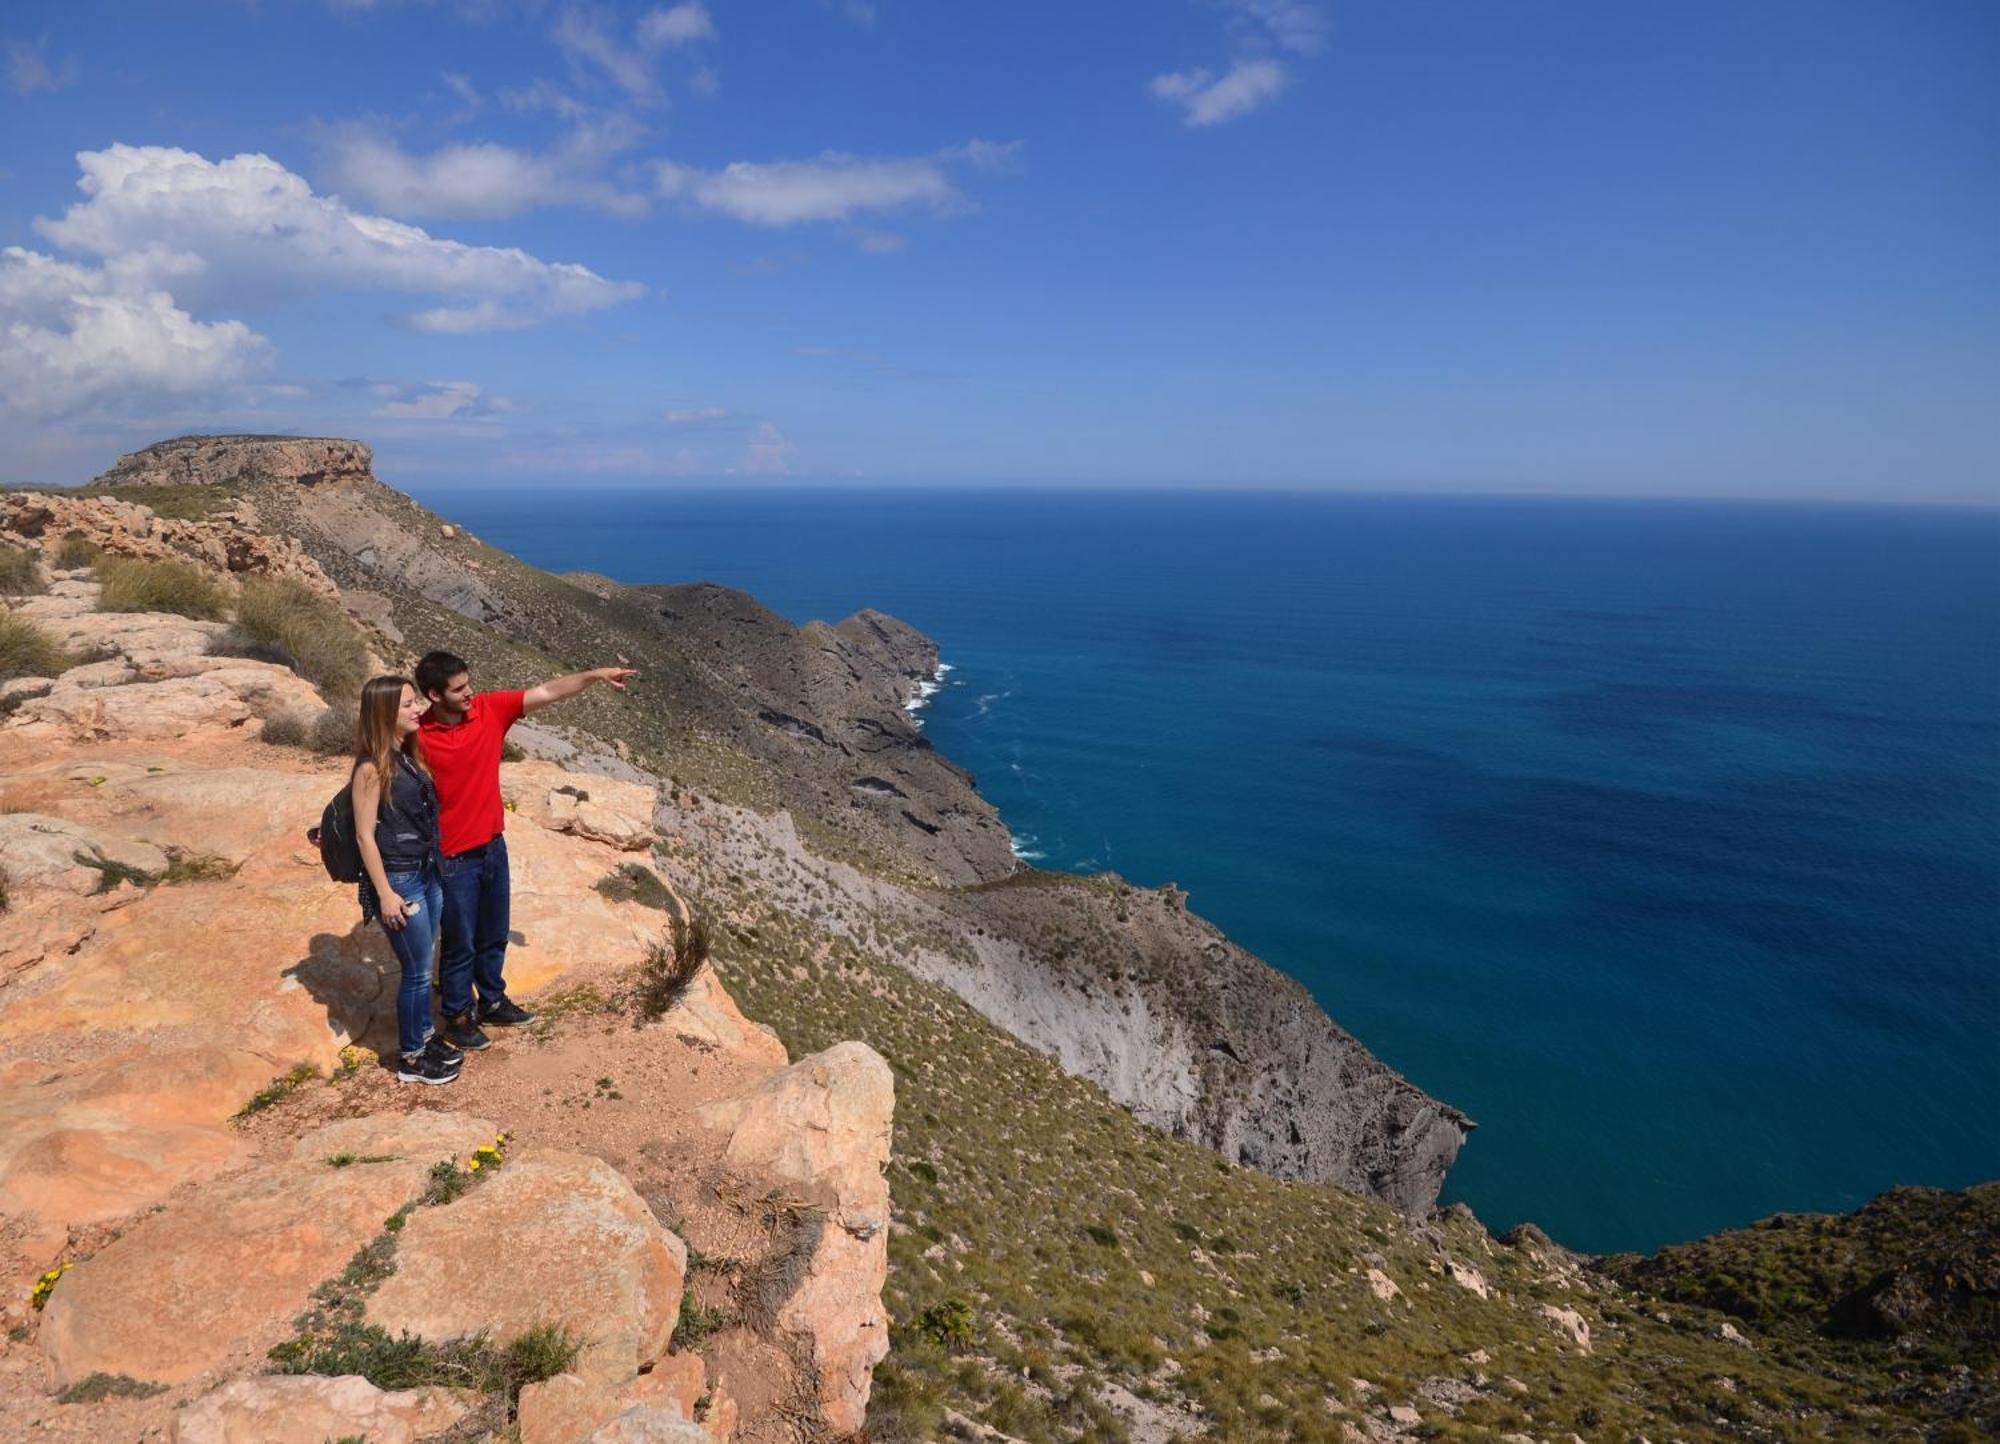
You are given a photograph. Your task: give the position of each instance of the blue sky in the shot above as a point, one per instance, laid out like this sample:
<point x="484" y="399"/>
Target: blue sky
<point x="1629" y="248"/>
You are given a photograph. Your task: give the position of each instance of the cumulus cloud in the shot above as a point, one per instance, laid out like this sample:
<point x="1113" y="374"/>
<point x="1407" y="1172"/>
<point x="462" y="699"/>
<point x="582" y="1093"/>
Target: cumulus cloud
<point x="80" y="335"/>
<point x="832" y="187"/>
<point x="28" y="68"/>
<point x="439" y="401"/>
<point x="1208" y="99"/>
<point x="247" y="229"/>
<point x="1289" y="24"/>
<point x="482" y="181"/>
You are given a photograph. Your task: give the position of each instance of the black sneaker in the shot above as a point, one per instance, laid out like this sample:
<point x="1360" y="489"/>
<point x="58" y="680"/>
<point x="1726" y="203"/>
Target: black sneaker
<point x="439" y="1051"/>
<point x="462" y="1033"/>
<point x="506" y="1013"/>
<point x="425" y="1069"/>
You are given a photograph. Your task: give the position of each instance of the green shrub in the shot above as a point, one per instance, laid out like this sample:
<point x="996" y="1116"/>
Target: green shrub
<point x="948" y="1324"/>
<point x="163" y="586"/>
<point x="329" y="734"/>
<point x="99" y="1387"/>
<point x="20" y="572"/>
<point x="76" y="550"/>
<point x="306" y="631"/>
<point x="28" y="651"/>
<point x="670" y="968"/>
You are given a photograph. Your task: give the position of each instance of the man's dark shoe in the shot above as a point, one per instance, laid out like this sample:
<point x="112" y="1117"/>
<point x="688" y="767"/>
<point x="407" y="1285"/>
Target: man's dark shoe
<point x="425" y="1069"/>
<point x="506" y="1013"/>
<point x="462" y="1032"/>
<point x="439" y="1051"/>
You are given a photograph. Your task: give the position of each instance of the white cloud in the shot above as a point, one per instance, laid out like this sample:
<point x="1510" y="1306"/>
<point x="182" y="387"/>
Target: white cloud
<point x="28" y="68"/>
<point x="586" y="37"/>
<point x="76" y="336"/>
<point x="682" y="25"/>
<point x="593" y="41"/>
<point x="831" y="187"/>
<point x="695" y="415"/>
<point x="440" y="401"/>
<point x="768" y="453"/>
<point x="1207" y="99"/>
<point x="483" y="181"/>
<point x="1289" y="24"/>
<point x="247" y="229"/>
<point x="542" y="96"/>
<point x="470" y="101"/>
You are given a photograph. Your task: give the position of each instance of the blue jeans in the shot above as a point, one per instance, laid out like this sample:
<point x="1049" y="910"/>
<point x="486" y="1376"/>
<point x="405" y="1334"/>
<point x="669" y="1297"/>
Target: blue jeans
<point x="477" y="895"/>
<point x="414" y="943"/>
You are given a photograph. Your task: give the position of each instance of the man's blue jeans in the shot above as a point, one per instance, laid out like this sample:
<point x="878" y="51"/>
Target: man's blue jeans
<point x="476" y="916"/>
<point x="415" y="944"/>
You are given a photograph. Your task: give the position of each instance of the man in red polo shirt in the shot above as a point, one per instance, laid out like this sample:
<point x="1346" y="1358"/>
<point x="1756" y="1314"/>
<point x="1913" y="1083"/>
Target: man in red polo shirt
<point x="461" y="737"/>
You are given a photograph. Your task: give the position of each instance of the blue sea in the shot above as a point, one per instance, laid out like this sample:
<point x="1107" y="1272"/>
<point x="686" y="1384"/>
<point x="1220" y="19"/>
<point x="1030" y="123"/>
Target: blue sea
<point x="1662" y="838"/>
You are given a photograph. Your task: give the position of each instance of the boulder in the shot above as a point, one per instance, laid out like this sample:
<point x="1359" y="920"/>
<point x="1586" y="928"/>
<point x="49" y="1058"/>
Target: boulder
<point x="565" y="1409"/>
<point x="822" y="1127"/>
<point x="1466" y="1277"/>
<point x="1382" y="1286"/>
<point x="549" y="1238"/>
<point x="603" y="809"/>
<point x="268" y="1408"/>
<point x="178" y="1293"/>
<point x="1570" y="1324"/>
<point x="228" y="694"/>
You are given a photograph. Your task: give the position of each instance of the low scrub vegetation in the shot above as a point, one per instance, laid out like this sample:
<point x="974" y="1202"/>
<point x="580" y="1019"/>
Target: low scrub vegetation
<point x="303" y="630"/>
<point x="635" y="882"/>
<point x="670" y="967"/>
<point x="20" y="572"/>
<point x="160" y="586"/>
<point x="328" y="734"/>
<point x="27" y="650"/>
<point x="76" y="550"/>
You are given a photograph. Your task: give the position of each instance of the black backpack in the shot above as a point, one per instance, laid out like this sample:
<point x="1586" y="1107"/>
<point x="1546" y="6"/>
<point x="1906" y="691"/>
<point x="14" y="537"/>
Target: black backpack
<point x="339" y="852"/>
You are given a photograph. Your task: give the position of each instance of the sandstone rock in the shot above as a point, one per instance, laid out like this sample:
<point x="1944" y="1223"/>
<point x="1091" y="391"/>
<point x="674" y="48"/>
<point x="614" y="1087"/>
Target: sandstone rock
<point x="1728" y="1333"/>
<point x="221" y="460"/>
<point x="222" y="698"/>
<point x="175" y="1295"/>
<point x="426" y="1137"/>
<point x="1381" y="1285"/>
<point x="648" y="1424"/>
<point x="822" y="1126"/>
<point x="38" y="851"/>
<point x="1406" y="1416"/>
<point x="603" y="809"/>
<point x="580" y="1249"/>
<point x="565" y="1409"/>
<point x="17" y="690"/>
<point x="1570" y="1324"/>
<point x="304" y="1407"/>
<point x="227" y="541"/>
<point x="80" y="1147"/>
<point x="1466" y="1277"/>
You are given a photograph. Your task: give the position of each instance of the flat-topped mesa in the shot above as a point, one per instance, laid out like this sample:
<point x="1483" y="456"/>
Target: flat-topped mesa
<point x="221" y="460"/>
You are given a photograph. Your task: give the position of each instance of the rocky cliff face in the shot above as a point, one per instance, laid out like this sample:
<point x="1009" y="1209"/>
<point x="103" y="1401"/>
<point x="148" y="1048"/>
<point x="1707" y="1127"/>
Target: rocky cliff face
<point x="231" y="460"/>
<point x="1193" y="1034"/>
<point x="198" y="1153"/>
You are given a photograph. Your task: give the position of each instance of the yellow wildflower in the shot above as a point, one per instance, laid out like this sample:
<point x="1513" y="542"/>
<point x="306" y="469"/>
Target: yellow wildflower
<point x="473" y="1166"/>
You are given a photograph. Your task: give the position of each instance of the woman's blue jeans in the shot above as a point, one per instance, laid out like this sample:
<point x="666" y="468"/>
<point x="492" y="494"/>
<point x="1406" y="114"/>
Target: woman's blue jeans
<point x="415" y="944"/>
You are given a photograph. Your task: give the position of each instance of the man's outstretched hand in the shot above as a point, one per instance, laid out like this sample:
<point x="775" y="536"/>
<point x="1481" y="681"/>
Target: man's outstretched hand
<point x="616" y="676"/>
<point x="560" y="689"/>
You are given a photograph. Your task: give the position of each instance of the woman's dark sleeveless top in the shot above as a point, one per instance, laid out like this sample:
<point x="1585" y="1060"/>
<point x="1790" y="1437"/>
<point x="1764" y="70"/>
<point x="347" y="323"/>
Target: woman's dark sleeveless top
<point x="406" y="831"/>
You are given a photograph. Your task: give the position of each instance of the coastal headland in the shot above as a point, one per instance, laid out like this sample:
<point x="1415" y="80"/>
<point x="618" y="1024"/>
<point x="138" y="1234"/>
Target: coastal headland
<point x="1004" y="1154"/>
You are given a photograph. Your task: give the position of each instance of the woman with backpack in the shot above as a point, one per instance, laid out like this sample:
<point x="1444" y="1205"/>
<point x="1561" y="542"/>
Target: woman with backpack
<point x="396" y="832"/>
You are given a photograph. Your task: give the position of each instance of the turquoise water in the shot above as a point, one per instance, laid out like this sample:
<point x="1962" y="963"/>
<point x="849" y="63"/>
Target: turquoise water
<point x="1663" y="838"/>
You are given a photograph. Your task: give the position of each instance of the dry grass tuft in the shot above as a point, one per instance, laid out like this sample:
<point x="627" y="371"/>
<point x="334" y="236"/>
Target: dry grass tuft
<point x="163" y="586"/>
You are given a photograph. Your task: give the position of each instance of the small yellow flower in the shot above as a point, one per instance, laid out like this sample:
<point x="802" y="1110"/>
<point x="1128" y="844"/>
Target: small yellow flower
<point x="473" y="1166"/>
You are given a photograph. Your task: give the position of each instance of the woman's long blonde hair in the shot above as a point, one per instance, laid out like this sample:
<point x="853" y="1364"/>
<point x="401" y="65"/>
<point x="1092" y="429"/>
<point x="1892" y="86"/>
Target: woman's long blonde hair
<point x="375" y="737"/>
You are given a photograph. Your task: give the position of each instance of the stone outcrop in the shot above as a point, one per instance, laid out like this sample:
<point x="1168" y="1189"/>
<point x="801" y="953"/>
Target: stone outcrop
<point x="551" y="1239"/>
<point x="183" y="1290"/>
<point x="234" y="460"/>
<point x="619" y="814"/>
<point x="309" y="1407"/>
<point x="822" y="1128"/>
<point x="230" y="540"/>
